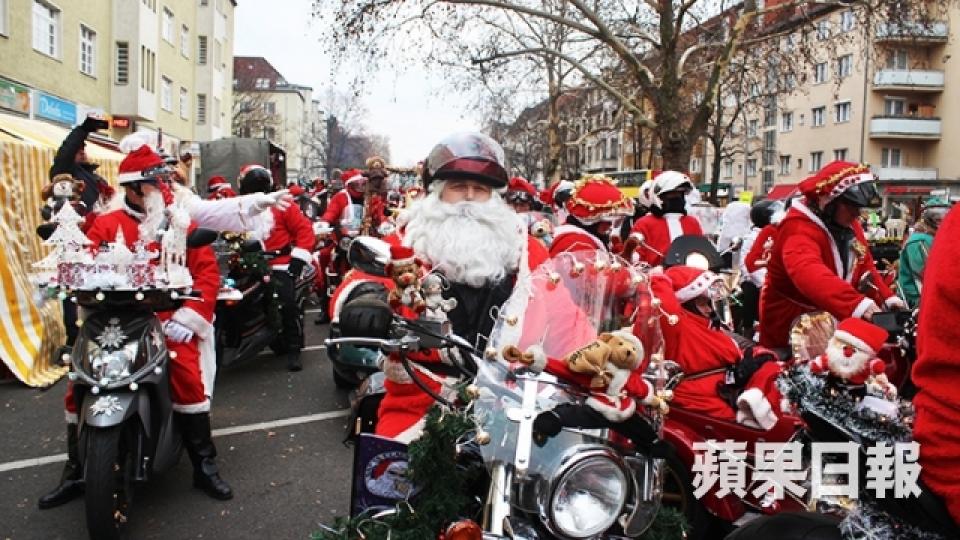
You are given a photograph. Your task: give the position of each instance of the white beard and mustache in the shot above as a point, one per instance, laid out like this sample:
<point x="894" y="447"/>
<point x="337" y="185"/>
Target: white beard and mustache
<point x="154" y="210"/>
<point x="468" y="242"/>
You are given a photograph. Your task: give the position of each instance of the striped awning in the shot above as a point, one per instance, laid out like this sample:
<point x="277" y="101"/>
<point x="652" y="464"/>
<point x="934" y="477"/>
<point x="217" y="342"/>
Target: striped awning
<point x="30" y="329"/>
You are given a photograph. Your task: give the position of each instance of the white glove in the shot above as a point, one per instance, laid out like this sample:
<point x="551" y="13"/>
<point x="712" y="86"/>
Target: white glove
<point x="322" y="228"/>
<point x="281" y="200"/>
<point x="177" y="332"/>
<point x="895" y="303"/>
<point x="871" y="310"/>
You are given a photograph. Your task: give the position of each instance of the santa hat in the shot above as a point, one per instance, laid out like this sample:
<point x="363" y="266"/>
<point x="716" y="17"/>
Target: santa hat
<point x="402" y="255"/>
<point x="630" y="338"/>
<point x="861" y="334"/>
<point x="518" y="183"/>
<point x="351" y="175"/>
<point x="595" y="198"/>
<point x="217" y="183"/>
<point x="141" y="158"/>
<point x="833" y="179"/>
<point x="689" y="282"/>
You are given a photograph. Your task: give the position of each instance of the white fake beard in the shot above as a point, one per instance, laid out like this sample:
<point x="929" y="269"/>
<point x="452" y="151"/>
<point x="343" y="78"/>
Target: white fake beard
<point x="845" y="366"/>
<point x="154" y="208"/>
<point x="468" y="242"/>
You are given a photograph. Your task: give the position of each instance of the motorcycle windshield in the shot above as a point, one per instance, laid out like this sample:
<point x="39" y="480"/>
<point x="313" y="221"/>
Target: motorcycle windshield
<point x="562" y="306"/>
<point x="351" y="218"/>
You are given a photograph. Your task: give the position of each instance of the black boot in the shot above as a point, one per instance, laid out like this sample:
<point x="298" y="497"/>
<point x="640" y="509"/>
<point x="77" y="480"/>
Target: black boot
<point x="71" y="482"/>
<point x="293" y="361"/>
<point x="196" y="438"/>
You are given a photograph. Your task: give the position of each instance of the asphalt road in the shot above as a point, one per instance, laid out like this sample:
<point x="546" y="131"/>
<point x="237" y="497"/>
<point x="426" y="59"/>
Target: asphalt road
<point x="287" y="479"/>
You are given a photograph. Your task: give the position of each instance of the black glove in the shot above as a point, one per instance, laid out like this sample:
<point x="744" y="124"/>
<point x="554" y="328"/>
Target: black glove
<point x="295" y="268"/>
<point x="366" y="316"/>
<point x="92" y="124"/>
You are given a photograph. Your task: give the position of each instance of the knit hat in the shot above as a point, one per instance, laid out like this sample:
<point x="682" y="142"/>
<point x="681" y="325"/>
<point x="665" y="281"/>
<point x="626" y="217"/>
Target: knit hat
<point x="596" y="198"/>
<point x="690" y="282"/>
<point x="863" y="335"/>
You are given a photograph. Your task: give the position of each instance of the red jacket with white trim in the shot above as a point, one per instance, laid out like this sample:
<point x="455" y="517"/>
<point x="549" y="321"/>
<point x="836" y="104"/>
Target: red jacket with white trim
<point x="290" y="228"/>
<point x="658" y="232"/>
<point x="805" y="273"/>
<point x="572" y="238"/>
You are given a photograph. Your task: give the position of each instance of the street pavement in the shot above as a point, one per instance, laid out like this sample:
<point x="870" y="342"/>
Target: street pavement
<point x="279" y="436"/>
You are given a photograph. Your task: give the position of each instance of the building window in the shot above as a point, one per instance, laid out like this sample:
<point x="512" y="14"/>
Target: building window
<point x="201" y="109"/>
<point x="847" y="20"/>
<point x="184" y="103"/>
<point x="185" y="41"/>
<point x="122" y="76"/>
<point x="166" y="29"/>
<point x="816" y="161"/>
<point x="202" y="50"/>
<point x="754" y="90"/>
<point x="844" y="66"/>
<point x="728" y="169"/>
<point x="840" y="154"/>
<point x="751" y="167"/>
<point x="262" y="84"/>
<point x="270" y="133"/>
<point x="841" y="112"/>
<point x="270" y="107"/>
<point x="890" y="157"/>
<point x="752" y="128"/>
<point x="897" y="59"/>
<point x="799" y="164"/>
<point x="791" y="81"/>
<point x="148" y="69"/>
<point x="204" y="3"/>
<point x="614" y="149"/>
<point x="216" y="112"/>
<point x="151" y="5"/>
<point x="46" y="28"/>
<point x="823" y="30"/>
<point x="695" y="165"/>
<point x="894" y="106"/>
<point x="817" y="115"/>
<point x="88" y="51"/>
<point x="820" y="73"/>
<point x="166" y="94"/>
<point x="786" y="121"/>
<point x="784" y="165"/>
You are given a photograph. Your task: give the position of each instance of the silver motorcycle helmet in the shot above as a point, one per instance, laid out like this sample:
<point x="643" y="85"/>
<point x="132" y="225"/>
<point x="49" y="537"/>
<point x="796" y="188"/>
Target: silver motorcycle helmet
<point x="467" y="156"/>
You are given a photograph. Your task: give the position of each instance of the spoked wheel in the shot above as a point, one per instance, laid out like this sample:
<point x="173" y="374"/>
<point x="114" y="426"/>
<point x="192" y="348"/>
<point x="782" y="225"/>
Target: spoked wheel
<point x="109" y="493"/>
<point x="678" y="494"/>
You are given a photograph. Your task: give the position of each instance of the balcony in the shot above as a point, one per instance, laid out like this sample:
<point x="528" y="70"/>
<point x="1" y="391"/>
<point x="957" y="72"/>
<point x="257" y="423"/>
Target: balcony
<point x="916" y="80"/>
<point x="905" y="127"/>
<point x="933" y="32"/>
<point x="906" y="174"/>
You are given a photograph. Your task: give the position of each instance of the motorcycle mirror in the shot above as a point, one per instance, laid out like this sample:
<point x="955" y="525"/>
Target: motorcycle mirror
<point x="252" y="246"/>
<point x="45" y="230"/>
<point x="693" y="250"/>
<point x="200" y="237"/>
<point x="369" y="255"/>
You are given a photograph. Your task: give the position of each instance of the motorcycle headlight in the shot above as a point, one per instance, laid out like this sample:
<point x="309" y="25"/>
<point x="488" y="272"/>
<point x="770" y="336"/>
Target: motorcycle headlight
<point x="113" y="365"/>
<point x="588" y="497"/>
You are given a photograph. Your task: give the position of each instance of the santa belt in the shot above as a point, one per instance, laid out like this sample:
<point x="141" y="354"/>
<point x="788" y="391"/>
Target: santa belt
<point x="703" y="374"/>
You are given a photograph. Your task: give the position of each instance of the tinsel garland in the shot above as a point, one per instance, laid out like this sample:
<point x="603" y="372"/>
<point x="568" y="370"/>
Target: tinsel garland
<point x="669" y="524"/>
<point x="253" y="262"/>
<point x="817" y="394"/>
<point x="867" y="522"/>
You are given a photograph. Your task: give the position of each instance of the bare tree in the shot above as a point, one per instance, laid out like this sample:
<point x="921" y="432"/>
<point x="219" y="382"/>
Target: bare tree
<point x="253" y="114"/>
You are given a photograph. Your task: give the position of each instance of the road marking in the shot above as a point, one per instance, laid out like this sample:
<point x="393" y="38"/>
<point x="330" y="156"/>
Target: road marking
<point x="268" y="352"/>
<point x="222" y="432"/>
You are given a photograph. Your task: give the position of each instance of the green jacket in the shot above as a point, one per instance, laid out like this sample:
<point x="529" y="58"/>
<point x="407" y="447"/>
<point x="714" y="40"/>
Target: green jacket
<point x="913" y="258"/>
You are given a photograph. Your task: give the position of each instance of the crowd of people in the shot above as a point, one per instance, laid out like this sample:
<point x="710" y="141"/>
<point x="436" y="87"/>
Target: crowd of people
<point x="483" y="230"/>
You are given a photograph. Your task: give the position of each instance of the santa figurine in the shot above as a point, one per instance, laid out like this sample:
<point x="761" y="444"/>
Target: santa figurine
<point x="851" y="354"/>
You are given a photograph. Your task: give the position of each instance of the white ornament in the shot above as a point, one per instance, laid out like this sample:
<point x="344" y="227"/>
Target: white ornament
<point x="112" y="336"/>
<point x="105" y="405"/>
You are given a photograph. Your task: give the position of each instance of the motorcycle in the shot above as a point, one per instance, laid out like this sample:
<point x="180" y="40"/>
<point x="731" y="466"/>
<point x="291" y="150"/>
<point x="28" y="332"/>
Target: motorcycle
<point x="243" y="325"/>
<point x="120" y="376"/>
<point x="544" y="461"/>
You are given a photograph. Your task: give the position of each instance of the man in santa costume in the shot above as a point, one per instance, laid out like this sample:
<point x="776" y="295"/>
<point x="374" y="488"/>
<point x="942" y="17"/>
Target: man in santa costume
<point x="464" y="231"/>
<point x="720" y="380"/>
<point x="521" y="195"/>
<point x="595" y="208"/>
<point x="289" y="233"/>
<point x="218" y="188"/>
<point x="147" y="198"/>
<point x="653" y="233"/>
<point x="820" y="255"/>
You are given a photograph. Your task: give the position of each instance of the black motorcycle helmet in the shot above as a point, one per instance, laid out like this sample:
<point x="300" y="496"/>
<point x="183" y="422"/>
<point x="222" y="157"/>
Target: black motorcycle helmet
<point x="862" y="195"/>
<point x="467" y="156"/>
<point x="255" y="179"/>
<point x="761" y="213"/>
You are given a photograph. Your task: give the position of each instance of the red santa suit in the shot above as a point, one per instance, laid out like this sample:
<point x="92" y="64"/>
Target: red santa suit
<point x="937" y="370"/>
<point x="759" y="252"/>
<point x="704" y="353"/>
<point x="592" y="200"/>
<point x="657" y="233"/>
<point x="287" y="229"/>
<point x="193" y="367"/>
<point x="805" y="272"/>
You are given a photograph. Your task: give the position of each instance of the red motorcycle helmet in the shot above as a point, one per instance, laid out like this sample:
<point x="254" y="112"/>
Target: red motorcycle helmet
<point x="467" y="156"/>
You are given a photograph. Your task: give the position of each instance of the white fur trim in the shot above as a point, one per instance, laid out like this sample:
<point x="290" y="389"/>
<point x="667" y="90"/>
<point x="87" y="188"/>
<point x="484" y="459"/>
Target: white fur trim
<point x="401" y="262"/>
<point x="651" y="393"/>
<point x="302" y="254"/>
<point x="837" y="262"/>
<point x="746" y="419"/>
<point x="617" y="382"/>
<point x="674" y="227"/>
<point x="697" y="287"/>
<point x="862" y="307"/>
<point x="610" y="411"/>
<point x="855" y="341"/>
<point x="194" y="321"/>
<point x="342" y="298"/>
<point x="208" y="364"/>
<point x="893" y="301"/>
<point x="539" y="358"/>
<point x="71" y="417"/>
<point x="412" y="433"/>
<point x="192" y="408"/>
<point x="754" y="403"/>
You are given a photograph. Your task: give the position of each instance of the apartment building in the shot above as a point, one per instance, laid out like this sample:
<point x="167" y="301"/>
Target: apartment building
<point x="882" y="102"/>
<point x="159" y="66"/>
<point x="271" y="107"/>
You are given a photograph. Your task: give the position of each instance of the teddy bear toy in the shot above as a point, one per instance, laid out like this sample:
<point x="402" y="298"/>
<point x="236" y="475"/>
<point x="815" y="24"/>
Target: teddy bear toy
<point x="405" y="269"/>
<point x="851" y="356"/>
<point x="437" y="306"/>
<point x="606" y="367"/>
<point x="62" y="189"/>
<point x="542" y="230"/>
